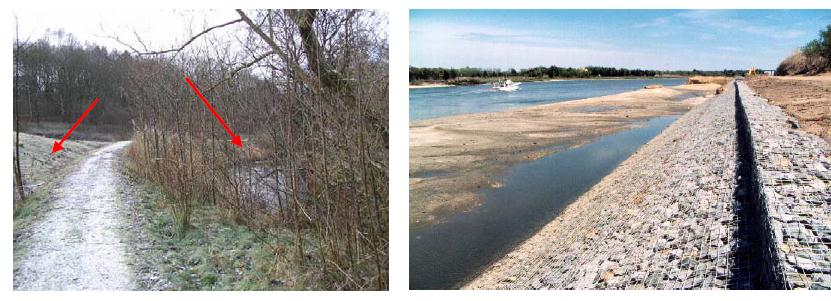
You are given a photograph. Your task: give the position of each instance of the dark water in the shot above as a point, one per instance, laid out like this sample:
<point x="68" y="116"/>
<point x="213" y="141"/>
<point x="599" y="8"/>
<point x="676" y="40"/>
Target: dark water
<point x="534" y="193"/>
<point x="426" y="103"/>
<point x="430" y="174"/>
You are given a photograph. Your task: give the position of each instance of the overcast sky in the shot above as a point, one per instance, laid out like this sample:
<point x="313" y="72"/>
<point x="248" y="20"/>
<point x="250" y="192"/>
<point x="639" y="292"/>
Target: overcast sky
<point x="651" y="39"/>
<point x="159" y="29"/>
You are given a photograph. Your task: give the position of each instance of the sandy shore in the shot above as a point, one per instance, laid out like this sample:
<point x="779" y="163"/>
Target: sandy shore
<point x="451" y="157"/>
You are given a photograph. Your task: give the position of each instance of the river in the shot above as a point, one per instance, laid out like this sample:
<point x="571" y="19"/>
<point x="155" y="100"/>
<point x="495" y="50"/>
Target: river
<point x="426" y="103"/>
<point x="444" y="255"/>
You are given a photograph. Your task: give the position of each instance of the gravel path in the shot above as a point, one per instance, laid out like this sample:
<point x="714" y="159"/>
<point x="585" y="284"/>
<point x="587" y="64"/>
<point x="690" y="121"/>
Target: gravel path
<point x="77" y="245"/>
<point x="663" y="219"/>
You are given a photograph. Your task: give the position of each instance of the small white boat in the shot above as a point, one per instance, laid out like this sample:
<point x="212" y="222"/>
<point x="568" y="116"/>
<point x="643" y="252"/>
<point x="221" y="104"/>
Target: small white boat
<point x="506" y="85"/>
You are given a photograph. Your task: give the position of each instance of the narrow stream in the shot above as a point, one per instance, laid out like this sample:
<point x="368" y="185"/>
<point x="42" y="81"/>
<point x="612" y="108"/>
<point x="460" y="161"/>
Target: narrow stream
<point x="443" y="256"/>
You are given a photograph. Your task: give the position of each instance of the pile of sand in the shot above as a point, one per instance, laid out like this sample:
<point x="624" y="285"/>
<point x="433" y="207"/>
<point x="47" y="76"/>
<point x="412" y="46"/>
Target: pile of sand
<point x="721" y="80"/>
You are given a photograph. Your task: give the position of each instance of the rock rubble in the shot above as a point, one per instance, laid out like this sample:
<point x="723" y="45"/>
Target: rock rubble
<point x="661" y="220"/>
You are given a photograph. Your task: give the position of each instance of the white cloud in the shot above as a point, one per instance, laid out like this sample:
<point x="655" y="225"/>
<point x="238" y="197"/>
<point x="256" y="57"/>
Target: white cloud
<point x="682" y="40"/>
<point x="659" y="34"/>
<point x="722" y="20"/>
<point x="661" y="21"/>
<point x="706" y="37"/>
<point x="792" y="34"/>
<point x="728" y="48"/>
<point x="470" y="53"/>
<point x="541" y="40"/>
<point x="459" y="45"/>
<point x="455" y="45"/>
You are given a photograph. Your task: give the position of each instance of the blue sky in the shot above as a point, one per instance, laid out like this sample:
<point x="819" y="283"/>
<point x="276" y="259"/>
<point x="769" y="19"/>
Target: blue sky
<point x="650" y="39"/>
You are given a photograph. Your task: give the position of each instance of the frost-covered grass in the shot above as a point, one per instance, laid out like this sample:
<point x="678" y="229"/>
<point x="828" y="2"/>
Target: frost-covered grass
<point x="212" y="254"/>
<point x="86" y="131"/>
<point x="41" y="169"/>
<point x="39" y="165"/>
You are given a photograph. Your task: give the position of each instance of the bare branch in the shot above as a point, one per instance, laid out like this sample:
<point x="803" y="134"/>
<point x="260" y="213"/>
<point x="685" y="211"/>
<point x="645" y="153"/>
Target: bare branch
<point x="119" y="41"/>
<point x="296" y="69"/>
<point x="138" y="38"/>
<point x="240" y="68"/>
<point x="180" y="48"/>
<point x="193" y="38"/>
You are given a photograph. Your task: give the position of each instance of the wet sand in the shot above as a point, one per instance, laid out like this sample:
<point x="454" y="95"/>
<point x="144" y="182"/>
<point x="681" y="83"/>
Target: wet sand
<point x="451" y="157"/>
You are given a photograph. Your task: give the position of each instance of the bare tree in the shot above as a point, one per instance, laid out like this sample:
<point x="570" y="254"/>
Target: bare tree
<point x="18" y="175"/>
<point x="308" y="90"/>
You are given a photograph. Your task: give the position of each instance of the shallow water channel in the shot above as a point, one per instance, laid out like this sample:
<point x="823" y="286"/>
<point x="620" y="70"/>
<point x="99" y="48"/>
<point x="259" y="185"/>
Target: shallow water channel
<point x="443" y="256"/>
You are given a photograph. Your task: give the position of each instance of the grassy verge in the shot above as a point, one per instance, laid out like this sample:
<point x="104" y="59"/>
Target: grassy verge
<point x="25" y="215"/>
<point x="42" y="170"/>
<point x="96" y="132"/>
<point x="40" y="166"/>
<point x="212" y="254"/>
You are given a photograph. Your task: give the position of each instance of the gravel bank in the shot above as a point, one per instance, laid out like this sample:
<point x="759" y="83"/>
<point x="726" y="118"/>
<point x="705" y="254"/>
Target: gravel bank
<point x="663" y="219"/>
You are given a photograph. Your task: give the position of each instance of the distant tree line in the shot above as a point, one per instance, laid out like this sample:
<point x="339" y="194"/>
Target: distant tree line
<point x="56" y="78"/>
<point x="447" y="74"/>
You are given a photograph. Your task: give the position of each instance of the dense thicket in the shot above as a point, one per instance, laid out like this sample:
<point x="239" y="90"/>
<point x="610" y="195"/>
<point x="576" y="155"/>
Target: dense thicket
<point x="813" y="58"/>
<point x="446" y="74"/>
<point x="56" y="78"/>
<point x="307" y="91"/>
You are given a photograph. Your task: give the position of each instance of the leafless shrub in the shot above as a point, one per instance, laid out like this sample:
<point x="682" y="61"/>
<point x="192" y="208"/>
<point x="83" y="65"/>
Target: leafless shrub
<point x="799" y="63"/>
<point x="308" y="92"/>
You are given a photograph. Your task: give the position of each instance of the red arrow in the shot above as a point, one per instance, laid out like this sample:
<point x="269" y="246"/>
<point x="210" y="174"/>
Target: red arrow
<point x="58" y="145"/>
<point x="235" y="139"/>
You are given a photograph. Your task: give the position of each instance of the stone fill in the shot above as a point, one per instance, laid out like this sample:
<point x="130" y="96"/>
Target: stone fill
<point x="674" y="217"/>
<point x="794" y="177"/>
<point x="662" y="220"/>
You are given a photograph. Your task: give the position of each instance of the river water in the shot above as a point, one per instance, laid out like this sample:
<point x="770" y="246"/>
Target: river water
<point x="443" y="256"/>
<point x="426" y="103"/>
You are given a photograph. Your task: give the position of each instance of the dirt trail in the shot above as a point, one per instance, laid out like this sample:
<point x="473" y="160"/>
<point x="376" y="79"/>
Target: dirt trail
<point x="808" y="98"/>
<point x="77" y="245"/>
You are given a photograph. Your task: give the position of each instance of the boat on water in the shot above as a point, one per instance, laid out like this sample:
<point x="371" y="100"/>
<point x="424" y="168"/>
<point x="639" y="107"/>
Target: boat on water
<point x="506" y="85"/>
